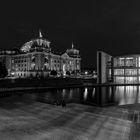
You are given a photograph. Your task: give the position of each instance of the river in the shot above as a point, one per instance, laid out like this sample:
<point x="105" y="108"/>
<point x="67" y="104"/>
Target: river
<point x="100" y="96"/>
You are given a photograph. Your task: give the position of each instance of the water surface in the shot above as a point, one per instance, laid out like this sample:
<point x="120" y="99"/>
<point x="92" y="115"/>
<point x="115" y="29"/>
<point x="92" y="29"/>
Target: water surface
<point x="102" y="96"/>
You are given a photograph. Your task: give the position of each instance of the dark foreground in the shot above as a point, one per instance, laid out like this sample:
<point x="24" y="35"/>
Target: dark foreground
<point x="29" y="120"/>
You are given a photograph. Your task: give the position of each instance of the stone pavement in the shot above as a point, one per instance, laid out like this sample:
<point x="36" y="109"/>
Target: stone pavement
<point x="40" y="121"/>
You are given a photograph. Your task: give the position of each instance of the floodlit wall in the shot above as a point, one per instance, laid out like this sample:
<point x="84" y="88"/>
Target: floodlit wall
<point x="103" y="59"/>
<point x="38" y="63"/>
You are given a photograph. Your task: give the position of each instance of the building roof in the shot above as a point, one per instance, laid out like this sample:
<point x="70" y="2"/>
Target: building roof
<point x="7" y="52"/>
<point x="127" y="55"/>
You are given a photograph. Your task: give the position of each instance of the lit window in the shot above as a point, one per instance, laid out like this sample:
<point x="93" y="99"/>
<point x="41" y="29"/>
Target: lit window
<point x="119" y="79"/>
<point x="119" y="72"/>
<point x="131" y="71"/>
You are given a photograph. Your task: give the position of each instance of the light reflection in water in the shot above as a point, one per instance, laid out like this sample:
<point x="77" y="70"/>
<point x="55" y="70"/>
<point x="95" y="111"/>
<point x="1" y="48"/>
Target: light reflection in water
<point x="71" y="92"/>
<point x="93" y="92"/>
<point x="110" y="92"/>
<point x="120" y="95"/>
<point x="85" y="93"/>
<point x="63" y="93"/>
<point x="126" y="94"/>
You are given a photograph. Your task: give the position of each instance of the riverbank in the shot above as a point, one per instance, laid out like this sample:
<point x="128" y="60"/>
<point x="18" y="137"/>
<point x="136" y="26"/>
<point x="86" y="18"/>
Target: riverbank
<point x="49" y="82"/>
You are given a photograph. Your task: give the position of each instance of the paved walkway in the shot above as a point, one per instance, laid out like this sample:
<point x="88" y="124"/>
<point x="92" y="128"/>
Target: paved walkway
<point x="39" y="121"/>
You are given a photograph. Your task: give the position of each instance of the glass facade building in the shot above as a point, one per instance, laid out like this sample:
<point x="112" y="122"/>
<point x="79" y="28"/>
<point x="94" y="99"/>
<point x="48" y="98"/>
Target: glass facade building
<point x="120" y="69"/>
<point x="126" y="69"/>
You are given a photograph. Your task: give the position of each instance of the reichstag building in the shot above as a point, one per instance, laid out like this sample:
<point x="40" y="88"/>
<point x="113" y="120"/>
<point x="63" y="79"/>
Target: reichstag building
<point x="36" y="58"/>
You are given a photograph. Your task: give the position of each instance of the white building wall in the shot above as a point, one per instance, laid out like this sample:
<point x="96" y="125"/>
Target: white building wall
<point x="22" y="65"/>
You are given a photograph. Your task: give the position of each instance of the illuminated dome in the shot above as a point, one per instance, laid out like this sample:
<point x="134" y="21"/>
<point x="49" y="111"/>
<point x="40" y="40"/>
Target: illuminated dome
<point x="38" y="44"/>
<point x="72" y="51"/>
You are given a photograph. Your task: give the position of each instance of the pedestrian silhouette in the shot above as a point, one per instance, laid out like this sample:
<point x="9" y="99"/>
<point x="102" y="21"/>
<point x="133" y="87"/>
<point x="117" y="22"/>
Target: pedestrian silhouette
<point x="57" y="103"/>
<point x="63" y="103"/>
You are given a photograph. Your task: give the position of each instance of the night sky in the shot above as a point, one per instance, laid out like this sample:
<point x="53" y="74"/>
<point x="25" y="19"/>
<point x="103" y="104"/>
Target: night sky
<point x="112" y="26"/>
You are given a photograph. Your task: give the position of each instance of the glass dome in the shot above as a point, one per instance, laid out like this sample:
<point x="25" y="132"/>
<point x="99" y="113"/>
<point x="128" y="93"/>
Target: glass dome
<point x="38" y="44"/>
<point x="72" y="51"/>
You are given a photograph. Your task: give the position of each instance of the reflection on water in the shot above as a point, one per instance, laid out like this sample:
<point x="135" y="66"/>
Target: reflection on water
<point x="70" y="95"/>
<point x="110" y="95"/>
<point x="85" y="94"/>
<point x="127" y="94"/>
<point x="93" y="93"/>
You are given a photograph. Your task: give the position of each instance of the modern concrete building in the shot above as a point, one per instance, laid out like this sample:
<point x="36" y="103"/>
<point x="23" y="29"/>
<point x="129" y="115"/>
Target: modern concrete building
<point x="36" y="58"/>
<point x="104" y="67"/>
<point x="118" y="69"/>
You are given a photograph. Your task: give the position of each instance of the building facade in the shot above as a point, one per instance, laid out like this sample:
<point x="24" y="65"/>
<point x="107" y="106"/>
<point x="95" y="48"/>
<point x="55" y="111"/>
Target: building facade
<point x="104" y="69"/>
<point x="118" y="69"/>
<point x="36" y="58"/>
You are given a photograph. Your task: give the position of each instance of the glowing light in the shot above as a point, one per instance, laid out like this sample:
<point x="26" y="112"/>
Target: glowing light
<point x="126" y="58"/>
<point x="129" y="58"/>
<point x="86" y="72"/>
<point x="64" y="70"/>
<point x="12" y="73"/>
<point x="72" y="45"/>
<point x="40" y="34"/>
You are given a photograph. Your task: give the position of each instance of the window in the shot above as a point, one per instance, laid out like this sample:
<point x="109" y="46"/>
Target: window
<point x="119" y="72"/>
<point x="131" y="80"/>
<point x="12" y="61"/>
<point x="139" y="61"/>
<point x="131" y="72"/>
<point x="129" y="61"/>
<point x="119" y="79"/>
<point x="121" y="62"/>
<point x="115" y="62"/>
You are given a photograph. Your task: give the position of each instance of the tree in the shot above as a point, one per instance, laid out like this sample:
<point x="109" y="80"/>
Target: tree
<point x="53" y="72"/>
<point x="73" y="72"/>
<point x="3" y="70"/>
<point x="67" y="72"/>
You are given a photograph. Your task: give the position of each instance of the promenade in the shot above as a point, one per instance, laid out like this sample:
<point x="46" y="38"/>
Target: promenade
<point x="29" y="120"/>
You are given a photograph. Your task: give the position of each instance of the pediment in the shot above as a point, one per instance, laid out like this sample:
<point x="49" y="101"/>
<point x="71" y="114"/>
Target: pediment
<point x="65" y="55"/>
